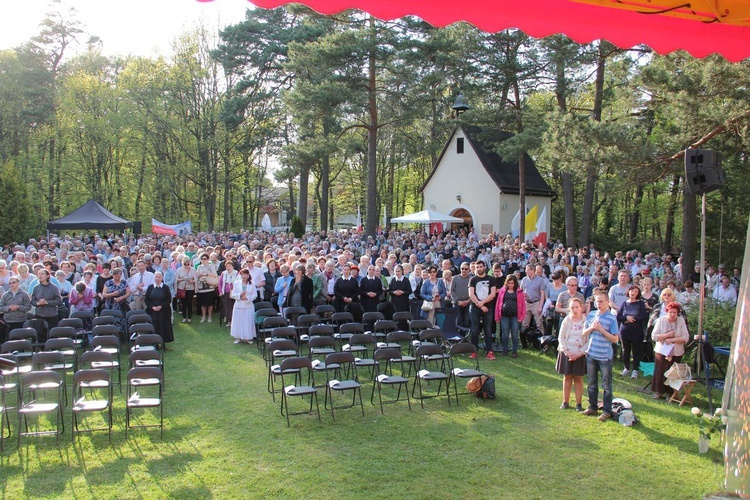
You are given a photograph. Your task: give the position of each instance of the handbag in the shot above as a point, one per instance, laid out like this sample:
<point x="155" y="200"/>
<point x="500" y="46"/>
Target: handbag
<point x="212" y="280"/>
<point x="428" y="305"/>
<point x="180" y="293"/>
<point x="474" y="384"/>
<point x="677" y="375"/>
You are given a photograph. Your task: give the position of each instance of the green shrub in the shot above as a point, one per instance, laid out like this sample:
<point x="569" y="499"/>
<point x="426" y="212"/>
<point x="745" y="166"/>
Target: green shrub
<point x="296" y="226"/>
<point x="718" y="321"/>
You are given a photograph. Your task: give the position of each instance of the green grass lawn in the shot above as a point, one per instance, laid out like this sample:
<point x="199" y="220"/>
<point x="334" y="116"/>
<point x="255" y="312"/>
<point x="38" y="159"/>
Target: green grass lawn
<point x="225" y="438"/>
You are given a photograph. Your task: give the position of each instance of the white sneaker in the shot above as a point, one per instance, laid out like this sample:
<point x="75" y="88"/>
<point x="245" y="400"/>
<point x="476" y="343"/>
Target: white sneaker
<point x="634" y="374"/>
<point x="203" y="320"/>
<point x="209" y="319"/>
<point x="624" y="372"/>
<point x="237" y="341"/>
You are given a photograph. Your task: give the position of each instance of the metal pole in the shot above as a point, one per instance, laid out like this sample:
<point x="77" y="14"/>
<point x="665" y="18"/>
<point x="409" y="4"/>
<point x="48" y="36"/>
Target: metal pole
<point x="703" y="266"/>
<point x="721" y="227"/>
<point x="699" y="357"/>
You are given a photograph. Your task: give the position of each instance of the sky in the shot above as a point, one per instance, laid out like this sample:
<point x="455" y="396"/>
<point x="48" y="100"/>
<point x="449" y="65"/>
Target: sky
<point x="137" y="27"/>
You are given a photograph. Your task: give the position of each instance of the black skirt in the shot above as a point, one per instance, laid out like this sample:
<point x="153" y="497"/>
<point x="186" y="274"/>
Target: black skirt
<point x="206" y="299"/>
<point x="564" y="366"/>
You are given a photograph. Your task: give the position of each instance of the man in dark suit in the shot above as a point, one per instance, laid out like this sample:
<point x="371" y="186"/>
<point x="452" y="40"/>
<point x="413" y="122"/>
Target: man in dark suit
<point x="370" y="290"/>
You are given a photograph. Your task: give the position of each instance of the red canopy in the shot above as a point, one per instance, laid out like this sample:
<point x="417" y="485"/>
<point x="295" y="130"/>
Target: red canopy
<point x="581" y="22"/>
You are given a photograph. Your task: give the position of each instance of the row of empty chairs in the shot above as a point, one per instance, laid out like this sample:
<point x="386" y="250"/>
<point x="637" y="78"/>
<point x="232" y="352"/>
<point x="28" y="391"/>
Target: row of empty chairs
<point x="39" y="369"/>
<point x="41" y="392"/>
<point x="340" y="325"/>
<point x="387" y="369"/>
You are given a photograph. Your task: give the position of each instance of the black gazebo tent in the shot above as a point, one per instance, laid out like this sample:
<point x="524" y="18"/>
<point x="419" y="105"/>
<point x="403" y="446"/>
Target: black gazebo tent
<point x="90" y="215"/>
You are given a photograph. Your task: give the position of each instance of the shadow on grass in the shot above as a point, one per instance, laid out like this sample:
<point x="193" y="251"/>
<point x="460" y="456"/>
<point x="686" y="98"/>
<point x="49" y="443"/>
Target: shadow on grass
<point x="194" y="492"/>
<point x="112" y="473"/>
<point x="682" y="444"/>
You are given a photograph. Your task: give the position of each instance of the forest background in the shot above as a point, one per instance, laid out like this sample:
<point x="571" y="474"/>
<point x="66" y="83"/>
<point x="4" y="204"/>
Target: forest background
<point x="348" y="111"/>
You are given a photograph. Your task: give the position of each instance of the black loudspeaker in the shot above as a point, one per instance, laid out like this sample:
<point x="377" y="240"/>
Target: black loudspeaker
<point x="137" y="227"/>
<point x="703" y="171"/>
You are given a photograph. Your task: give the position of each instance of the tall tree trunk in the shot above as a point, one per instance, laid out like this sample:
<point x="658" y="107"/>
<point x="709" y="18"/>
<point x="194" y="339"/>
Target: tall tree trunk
<point x="434" y="125"/>
<point x="227" y="185"/>
<point x="246" y="196"/>
<point x="636" y="215"/>
<point x="592" y="173"/>
<point x="325" y="202"/>
<point x="588" y="205"/>
<point x="52" y="199"/>
<point x="371" y="219"/>
<point x="332" y="224"/>
<point x="570" y="209"/>
<point x="139" y="188"/>
<point x="304" y="186"/>
<point x="656" y="227"/>
<point x="671" y="209"/>
<point x="561" y="92"/>
<point x="521" y="168"/>
<point x="389" y="196"/>
<point x="292" y="199"/>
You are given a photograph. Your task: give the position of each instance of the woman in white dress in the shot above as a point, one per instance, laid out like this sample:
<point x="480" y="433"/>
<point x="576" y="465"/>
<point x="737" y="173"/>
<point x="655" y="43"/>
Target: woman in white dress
<point x="243" y="315"/>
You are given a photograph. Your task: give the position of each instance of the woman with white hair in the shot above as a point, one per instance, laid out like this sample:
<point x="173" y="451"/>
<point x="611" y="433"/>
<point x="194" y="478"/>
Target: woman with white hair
<point x="5" y="275"/>
<point x="65" y="287"/>
<point x="25" y="278"/>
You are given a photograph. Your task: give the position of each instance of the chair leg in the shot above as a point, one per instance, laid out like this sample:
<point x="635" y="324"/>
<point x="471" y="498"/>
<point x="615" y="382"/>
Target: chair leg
<point x="329" y="391"/>
<point x="380" y="396"/>
<point x="421" y="396"/>
<point x="285" y="401"/>
<point x="317" y="405"/>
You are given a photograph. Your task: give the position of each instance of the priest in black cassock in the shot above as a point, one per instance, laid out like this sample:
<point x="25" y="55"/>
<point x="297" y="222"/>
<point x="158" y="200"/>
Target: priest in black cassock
<point x="370" y="290"/>
<point x="159" y="306"/>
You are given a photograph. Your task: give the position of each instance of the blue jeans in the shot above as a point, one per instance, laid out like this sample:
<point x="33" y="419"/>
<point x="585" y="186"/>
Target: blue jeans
<point x="510" y="326"/>
<point x="594" y="367"/>
<point x="481" y="320"/>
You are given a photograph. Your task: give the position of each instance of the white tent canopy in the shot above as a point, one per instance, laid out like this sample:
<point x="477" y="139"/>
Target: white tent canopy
<point x="425" y="217"/>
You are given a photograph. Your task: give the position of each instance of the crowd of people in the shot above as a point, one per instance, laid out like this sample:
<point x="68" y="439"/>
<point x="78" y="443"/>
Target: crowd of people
<point x="489" y="288"/>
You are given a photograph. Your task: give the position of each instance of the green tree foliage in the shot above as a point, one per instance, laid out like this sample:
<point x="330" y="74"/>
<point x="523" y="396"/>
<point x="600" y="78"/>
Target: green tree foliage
<point x="718" y="321"/>
<point x="16" y="214"/>
<point x="348" y="112"/>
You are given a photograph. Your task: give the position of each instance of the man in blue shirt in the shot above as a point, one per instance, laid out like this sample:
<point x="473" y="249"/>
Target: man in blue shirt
<point x="600" y="331"/>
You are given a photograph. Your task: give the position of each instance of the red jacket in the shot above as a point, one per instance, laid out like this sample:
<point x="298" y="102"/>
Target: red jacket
<point x="520" y="300"/>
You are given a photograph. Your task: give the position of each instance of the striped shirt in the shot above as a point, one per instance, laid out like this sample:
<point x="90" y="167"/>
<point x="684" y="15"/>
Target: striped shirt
<point x="598" y="347"/>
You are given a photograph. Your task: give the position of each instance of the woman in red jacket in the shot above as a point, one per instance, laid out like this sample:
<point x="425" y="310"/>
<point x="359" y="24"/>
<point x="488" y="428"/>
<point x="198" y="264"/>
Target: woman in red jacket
<point x="510" y="309"/>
